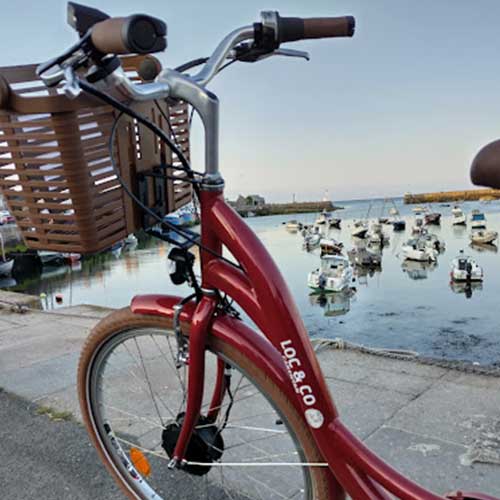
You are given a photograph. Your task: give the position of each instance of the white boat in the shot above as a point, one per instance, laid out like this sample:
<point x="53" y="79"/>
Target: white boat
<point x="418" y="249"/>
<point x="360" y="229"/>
<point x="393" y="211"/>
<point x="465" y="269"/>
<point x="311" y="241"/>
<point x="334" y="274"/>
<point x="322" y="218"/>
<point x="376" y="236"/>
<point x="458" y="217"/>
<point x="362" y="257"/>
<point x="418" y="227"/>
<point x="477" y="220"/>
<point x="483" y="236"/>
<point x="293" y="226"/>
<point x="419" y="210"/>
<point x="432" y="241"/>
<point x="329" y="246"/>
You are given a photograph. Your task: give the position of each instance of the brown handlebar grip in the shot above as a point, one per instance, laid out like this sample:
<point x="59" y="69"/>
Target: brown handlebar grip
<point x="107" y="36"/>
<point x="138" y="34"/>
<point x="291" y="29"/>
<point x="329" y="27"/>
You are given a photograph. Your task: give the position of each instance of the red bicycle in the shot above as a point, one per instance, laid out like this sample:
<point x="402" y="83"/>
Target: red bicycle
<point x="181" y="398"/>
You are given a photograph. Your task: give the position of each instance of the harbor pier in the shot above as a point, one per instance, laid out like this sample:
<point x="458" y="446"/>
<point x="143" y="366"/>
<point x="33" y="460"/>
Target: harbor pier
<point x="447" y="196"/>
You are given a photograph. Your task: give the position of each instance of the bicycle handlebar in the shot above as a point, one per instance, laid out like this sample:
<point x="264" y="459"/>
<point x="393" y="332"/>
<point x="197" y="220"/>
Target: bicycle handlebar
<point x="139" y="34"/>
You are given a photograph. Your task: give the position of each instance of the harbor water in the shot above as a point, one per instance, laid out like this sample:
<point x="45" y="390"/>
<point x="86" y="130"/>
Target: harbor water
<point x="409" y="306"/>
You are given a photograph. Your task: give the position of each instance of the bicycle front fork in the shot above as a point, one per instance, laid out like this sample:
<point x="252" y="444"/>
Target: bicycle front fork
<point x="200" y="325"/>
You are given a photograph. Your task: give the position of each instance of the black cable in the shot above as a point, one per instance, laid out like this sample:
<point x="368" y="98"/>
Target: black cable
<point x="176" y="229"/>
<point x="191" y="64"/>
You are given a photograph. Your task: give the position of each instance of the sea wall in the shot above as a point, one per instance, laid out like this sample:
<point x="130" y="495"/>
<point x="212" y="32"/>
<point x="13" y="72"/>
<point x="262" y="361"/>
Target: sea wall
<point x="445" y="196"/>
<point x="290" y="208"/>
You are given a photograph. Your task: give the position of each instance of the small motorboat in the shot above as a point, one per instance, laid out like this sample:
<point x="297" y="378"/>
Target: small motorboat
<point x="293" y="226"/>
<point x="329" y="246"/>
<point x="322" y="218"/>
<point x="311" y="241"/>
<point x="432" y="241"/>
<point x="375" y="236"/>
<point x="334" y="274"/>
<point x="418" y="249"/>
<point x="418" y="227"/>
<point x="419" y="210"/>
<point x="458" y="217"/>
<point x="334" y="223"/>
<point x="363" y="257"/>
<point x="483" y="236"/>
<point x="398" y="225"/>
<point x="465" y="269"/>
<point x="393" y="211"/>
<point x="433" y="218"/>
<point x="360" y="229"/>
<point x="477" y="219"/>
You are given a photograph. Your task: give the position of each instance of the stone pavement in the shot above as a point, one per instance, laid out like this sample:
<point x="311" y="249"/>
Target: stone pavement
<point x="439" y="426"/>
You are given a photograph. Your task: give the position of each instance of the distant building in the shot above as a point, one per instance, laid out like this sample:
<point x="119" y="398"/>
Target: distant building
<point x="251" y="201"/>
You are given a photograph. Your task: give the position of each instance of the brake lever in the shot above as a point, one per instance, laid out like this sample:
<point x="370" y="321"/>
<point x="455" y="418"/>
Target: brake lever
<point x="291" y="53"/>
<point x="247" y="53"/>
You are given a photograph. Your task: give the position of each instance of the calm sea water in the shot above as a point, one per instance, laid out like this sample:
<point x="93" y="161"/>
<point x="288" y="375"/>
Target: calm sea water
<point x="407" y="307"/>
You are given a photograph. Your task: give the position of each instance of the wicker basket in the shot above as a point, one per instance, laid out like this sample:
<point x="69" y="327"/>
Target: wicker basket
<point x="55" y="171"/>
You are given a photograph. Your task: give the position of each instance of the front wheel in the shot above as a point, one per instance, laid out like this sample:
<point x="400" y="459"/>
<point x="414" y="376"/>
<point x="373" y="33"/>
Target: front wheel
<point x="132" y="399"/>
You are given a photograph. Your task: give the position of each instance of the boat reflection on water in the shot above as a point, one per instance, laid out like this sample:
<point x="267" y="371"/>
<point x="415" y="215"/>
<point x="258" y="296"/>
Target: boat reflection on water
<point x="418" y="270"/>
<point x="484" y="247"/>
<point x="333" y="303"/>
<point x="466" y="287"/>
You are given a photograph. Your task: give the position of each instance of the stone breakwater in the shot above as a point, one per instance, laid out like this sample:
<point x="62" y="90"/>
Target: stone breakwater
<point x="446" y="196"/>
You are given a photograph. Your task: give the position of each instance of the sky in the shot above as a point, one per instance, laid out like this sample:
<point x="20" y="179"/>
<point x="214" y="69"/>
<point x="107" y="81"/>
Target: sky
<point x="402" y="106"/>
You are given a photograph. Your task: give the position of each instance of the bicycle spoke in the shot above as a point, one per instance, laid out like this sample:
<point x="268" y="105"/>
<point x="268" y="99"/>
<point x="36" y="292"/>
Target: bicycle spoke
<point x="144" y="366"/>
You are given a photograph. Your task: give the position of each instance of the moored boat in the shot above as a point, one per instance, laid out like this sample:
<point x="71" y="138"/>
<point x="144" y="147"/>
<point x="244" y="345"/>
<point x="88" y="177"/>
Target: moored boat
<point x="329" y="246"/>
<point x="483" y="236"/>
<point x="293" y="226"/>
<point x="458" y="216"/>
<point x="322" y="218"/>
<point x="398" y="225"/>
<point x="465" y="269"/>
<point x="418" y="249"/>
<point x="334" y="223"/>
<point x="477" y="219"/>
<point x="334" y="274"/>
<point x="360" y="229"/>
<point x="433" y="218"/>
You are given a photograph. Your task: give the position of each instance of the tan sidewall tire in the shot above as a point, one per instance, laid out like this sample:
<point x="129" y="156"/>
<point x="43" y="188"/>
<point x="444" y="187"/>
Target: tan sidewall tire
<point x="124" y="320"/>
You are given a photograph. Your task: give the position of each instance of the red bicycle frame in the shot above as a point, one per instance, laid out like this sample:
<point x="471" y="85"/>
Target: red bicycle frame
<point x="283" y="352"/>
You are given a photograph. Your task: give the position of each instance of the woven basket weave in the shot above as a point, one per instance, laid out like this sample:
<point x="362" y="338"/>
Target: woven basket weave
<point x="55" y="171"/>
